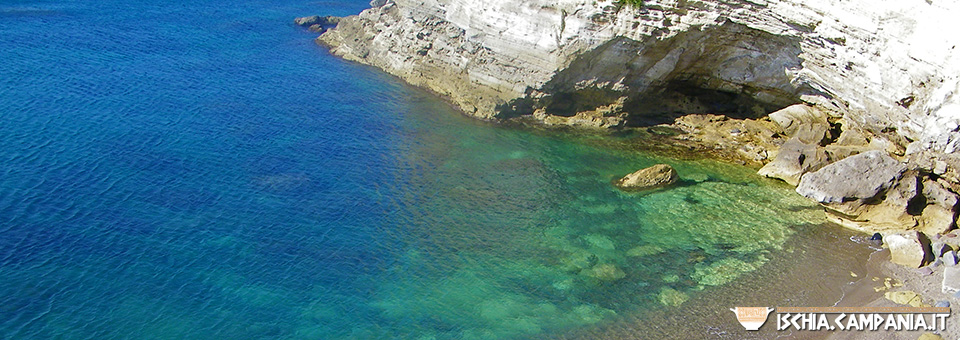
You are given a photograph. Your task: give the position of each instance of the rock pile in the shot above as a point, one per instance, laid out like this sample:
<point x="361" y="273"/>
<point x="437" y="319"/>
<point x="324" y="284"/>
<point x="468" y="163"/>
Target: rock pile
<point x="873" y="192"/>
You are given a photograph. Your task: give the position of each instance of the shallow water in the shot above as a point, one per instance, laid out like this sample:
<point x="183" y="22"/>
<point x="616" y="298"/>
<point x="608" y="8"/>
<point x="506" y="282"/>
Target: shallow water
<point x="203" y="170"/>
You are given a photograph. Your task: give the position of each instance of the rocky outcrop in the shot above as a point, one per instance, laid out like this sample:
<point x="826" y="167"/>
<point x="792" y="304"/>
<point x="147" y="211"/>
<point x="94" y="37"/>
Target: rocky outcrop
<point x="887" y="68"/>
<point x="873" y="192"/>
<point x="794" y="159"/>
<point x="872" y="88"/>
<point x="856" y="179"/>
<point x="746" y="141"/>
<point x="317" y="23"/>
<point x="656" y="176"/>
<point x="806" y="128"/>
<point x="806" y="123"/>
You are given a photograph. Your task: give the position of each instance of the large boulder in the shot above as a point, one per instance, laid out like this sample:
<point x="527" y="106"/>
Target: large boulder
<point x="940" y="213"/>
<point x="864" y="192"/>
<point x="794" y="159"/>
<point x="908" y="248"/>
<point x="858" y="178"/>
<point x="870" y="192"/>
<point x="656" y="176"/>
<point x="873" y="192"/>
<point x="806" y="123"/>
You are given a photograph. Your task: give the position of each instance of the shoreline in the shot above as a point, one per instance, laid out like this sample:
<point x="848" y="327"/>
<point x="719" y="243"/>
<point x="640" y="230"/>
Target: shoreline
<point x="903" y="280"/>
<point x="867" y="175"/>
<point x="860" y="292"/>
<point x="784" y="281"/>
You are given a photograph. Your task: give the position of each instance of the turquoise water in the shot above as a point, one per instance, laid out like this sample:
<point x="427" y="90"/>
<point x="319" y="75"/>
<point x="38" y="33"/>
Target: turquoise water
<point x="203" y="171"/>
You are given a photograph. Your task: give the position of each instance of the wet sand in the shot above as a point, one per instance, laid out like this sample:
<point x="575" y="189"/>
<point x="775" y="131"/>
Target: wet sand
<point x="928" y="286"/>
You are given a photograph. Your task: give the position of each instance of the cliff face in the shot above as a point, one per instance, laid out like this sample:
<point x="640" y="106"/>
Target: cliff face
<point x="889" y="66"/>
<point x="869" y="75"/>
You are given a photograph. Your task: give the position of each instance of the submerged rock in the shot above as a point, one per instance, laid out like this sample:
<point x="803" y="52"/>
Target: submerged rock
<point x="645" y="250"/>
<point x="578" y="260"/>
<point x="605" y="272"/>
<point x="671" y="297"/>
<point x="656" y="176"/>
<point x="600" y="241"/>
<point x="724" y="270"/>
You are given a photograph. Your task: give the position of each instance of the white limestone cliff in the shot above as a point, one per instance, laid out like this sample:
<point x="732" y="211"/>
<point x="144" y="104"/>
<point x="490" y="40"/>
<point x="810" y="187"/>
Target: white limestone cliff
<point x="885" y="64"/>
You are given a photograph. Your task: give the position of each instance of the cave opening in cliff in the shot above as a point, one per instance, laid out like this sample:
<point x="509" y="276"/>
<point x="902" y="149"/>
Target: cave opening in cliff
<point x="729" y="69"/>
<point x="682" y="97"/>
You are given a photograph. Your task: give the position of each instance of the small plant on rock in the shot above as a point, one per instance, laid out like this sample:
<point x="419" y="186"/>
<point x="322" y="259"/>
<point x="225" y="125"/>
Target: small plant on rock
<point x="631" y="3"/>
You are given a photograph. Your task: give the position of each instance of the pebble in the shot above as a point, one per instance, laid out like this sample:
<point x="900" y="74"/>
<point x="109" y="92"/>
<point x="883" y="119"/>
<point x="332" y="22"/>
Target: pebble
<point x="876" y="239"/>
<point x="942" y="303"/>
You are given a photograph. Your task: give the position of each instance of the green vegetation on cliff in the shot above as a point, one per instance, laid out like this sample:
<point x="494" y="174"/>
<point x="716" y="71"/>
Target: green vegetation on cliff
<point x="631" y="3"/>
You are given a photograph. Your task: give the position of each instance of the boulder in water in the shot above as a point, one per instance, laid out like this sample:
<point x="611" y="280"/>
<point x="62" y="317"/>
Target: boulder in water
<point x="656" y="176"/>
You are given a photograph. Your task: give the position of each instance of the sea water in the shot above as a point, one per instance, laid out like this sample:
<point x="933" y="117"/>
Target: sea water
<point x="203" y="170"/>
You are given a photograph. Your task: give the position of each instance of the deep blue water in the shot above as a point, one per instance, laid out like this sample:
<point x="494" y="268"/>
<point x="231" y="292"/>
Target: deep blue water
<point x="202" y="170"/>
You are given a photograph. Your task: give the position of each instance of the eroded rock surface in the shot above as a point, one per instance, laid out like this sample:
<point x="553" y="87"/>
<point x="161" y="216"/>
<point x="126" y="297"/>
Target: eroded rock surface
<point x="888" y="68"/>
<point x="873" y="192"/>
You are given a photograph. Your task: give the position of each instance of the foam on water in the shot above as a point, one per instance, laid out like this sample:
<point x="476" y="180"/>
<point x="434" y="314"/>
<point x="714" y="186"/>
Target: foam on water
<point x="204" y="171"/>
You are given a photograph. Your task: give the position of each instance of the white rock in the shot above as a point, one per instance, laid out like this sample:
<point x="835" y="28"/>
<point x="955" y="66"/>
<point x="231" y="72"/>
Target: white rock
<point x="906" y="248"/>
<point x="951" y="280"/>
